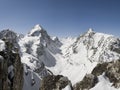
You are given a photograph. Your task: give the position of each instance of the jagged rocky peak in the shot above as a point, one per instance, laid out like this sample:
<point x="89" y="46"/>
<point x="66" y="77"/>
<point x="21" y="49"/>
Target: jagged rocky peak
<point x="37" y="30"/>
<point x="87" y="37"/>
<point x="97" y="46"/>
<point x="90" y="32"/>
<point x="8" y="34"/>
<point x="56" y="40"/>
<point x="38" y="27"/>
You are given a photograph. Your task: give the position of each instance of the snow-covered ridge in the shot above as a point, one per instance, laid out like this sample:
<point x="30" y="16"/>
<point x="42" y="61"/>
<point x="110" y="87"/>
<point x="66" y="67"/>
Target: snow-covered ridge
<point x="74" y="57"/>
<point x="42" y="54"/>
<point x="82" y="52"/>
<point x="36" y="29"/>
<point x="97" y="46"/>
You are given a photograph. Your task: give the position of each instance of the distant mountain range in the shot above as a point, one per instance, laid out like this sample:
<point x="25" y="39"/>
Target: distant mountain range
<point x="38" y="61"/>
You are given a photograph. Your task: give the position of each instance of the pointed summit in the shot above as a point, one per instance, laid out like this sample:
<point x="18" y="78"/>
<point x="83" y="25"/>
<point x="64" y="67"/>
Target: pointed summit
<point x="37" y="29"/>
<point x="90" y="30"/>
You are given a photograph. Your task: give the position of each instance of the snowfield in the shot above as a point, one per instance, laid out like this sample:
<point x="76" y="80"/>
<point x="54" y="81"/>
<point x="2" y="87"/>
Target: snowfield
<point x="71" y="57"/>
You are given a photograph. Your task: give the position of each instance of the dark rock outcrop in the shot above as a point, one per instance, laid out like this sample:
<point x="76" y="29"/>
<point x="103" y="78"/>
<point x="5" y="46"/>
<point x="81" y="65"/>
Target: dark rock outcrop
<point x="99" y="69"/>
<point x="111" y="70"/>
<point x="18" y="77"/>
<point x="115" y="46"/>
<point x="113" y="73"/>
<point x="52" y="82"/>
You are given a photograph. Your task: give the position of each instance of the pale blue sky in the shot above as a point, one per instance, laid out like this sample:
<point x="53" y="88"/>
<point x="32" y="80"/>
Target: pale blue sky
<point x="61" y="17"/>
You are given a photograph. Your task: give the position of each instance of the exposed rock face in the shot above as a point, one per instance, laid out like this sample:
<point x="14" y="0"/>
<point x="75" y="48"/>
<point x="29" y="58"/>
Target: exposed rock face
<point x="52" y="82"/>
<point x="111" y="70"/>
<point x="10" y="36"/>
<point x="113" y="73"/>
<point x="88" y="82"/>
<point x="11" y="67"/>
<point x="115" y="46"/>
<point x="18" y="77"/>
<point x="99" y="69"/>
<point x="39" y="32"/>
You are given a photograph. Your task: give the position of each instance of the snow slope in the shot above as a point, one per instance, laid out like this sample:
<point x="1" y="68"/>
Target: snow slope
<point x="80" y="56"/>
<point x="104" y="84"/>
<point x="71" y="57"/>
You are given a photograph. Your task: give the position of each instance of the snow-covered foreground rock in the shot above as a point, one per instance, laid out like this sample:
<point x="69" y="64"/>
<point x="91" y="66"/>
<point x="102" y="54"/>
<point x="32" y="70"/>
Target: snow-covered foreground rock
<point x="75" y="58"/>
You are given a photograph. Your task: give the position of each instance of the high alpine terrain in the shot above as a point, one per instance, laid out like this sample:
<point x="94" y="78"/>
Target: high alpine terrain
<point x="38" y="61"/>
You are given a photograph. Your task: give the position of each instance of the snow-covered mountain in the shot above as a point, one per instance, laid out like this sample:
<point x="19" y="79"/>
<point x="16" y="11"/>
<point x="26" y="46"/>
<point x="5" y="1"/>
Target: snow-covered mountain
<point x="75" y="58"/>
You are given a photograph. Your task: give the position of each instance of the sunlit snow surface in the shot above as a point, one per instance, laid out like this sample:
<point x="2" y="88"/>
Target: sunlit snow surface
<point x="74" y="58"/>
<point x="67" y="88"/>
<point x="103" y="84"/>
<point x="2" y="45"/>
